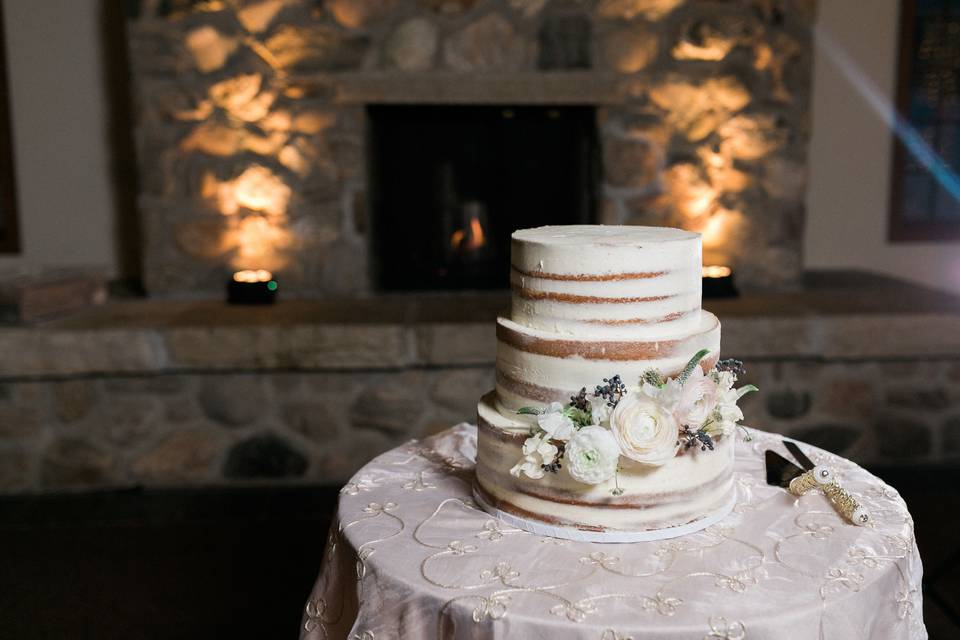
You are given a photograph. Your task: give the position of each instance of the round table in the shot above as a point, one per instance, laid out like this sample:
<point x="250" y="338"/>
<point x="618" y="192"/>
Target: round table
<point x="412" y="556"/>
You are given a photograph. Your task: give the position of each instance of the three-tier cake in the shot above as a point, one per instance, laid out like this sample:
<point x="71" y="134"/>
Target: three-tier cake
<point x="611" y="419"/>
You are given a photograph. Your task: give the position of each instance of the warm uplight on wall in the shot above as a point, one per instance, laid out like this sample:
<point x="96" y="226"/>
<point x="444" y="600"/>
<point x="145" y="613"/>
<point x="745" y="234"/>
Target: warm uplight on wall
<point x="713" y="232"/>
<point x="261" y="244"/>
<point x="256" y="201"/>
<point x="256" y="189"/>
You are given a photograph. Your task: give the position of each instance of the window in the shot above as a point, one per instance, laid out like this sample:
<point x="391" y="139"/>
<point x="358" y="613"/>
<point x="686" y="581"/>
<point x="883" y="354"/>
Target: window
<point x="925" y="186"/>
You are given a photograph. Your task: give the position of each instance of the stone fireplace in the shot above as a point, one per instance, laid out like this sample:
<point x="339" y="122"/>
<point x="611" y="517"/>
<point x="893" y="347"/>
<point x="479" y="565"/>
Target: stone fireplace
<point x="254" y="123"/>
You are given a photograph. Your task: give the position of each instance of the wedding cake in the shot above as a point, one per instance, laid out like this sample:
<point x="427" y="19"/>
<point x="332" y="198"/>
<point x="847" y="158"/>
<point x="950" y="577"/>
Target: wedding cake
<point x="613" y="418"/>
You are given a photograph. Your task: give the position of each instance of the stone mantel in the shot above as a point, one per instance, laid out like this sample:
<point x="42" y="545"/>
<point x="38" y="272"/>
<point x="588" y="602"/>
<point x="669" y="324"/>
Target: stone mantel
<point x="834" y="317"/>
<point x="554" y="88"/>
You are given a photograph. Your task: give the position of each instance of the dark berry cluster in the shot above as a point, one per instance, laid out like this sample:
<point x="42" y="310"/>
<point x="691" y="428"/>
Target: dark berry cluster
<point x="690" y="439"/>
<point x="612" y="391"/>
<point x="732" y="365"/>
<point x="553" y="467"/>
<point x="580" y="400"/>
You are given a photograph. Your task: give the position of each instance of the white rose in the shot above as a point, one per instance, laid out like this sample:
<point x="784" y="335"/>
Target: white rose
<point x="537" y="451"/>
<point x="646" y="431"/>
<point x="592" y="455"/>
<point x="555" y="423"/>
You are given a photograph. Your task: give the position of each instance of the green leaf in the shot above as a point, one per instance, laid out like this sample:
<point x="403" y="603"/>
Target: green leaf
<point x="579" y="416"/>
<point x="745" y="389"/>
<point x="692" y="364"/>
<point x="529" y="411"/>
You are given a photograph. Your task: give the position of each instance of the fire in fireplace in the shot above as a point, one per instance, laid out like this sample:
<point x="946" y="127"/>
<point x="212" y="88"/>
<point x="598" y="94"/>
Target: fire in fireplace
<point x="449" y="184"/>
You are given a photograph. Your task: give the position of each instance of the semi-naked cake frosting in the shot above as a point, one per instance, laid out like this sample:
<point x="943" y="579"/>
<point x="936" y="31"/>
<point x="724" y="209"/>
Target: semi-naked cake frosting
<point x="590" y="302"/>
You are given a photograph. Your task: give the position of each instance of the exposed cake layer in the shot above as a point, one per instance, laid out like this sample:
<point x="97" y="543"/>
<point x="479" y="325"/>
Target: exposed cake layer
<point x="606" y="281"/>
<point x="536" y="367"/>
<point x="682" y="491"/>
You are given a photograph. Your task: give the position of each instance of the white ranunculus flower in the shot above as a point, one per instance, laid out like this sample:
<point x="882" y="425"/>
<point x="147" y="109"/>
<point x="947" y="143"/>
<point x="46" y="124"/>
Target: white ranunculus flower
<point x="592" y="455"/>
<point x="599" y="410"/>
<point x="556" y="425"/>
<point x="645" y="429"/>
<point x="537" y="451"/>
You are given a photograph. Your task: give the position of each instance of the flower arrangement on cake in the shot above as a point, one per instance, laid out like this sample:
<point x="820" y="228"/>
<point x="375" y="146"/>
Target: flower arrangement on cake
<point x="660" y="419"/>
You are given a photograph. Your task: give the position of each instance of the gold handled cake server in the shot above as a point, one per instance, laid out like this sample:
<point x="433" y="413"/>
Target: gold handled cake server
<point x="799" y="480"/>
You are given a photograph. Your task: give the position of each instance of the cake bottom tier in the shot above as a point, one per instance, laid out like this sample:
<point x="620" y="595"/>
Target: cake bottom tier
<point x="689" y="493"/>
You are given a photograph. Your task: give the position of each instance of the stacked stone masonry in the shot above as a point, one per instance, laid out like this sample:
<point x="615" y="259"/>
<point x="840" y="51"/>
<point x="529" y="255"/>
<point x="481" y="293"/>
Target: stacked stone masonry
<point x="319" y="426"/>
<point x="251" y="133"/>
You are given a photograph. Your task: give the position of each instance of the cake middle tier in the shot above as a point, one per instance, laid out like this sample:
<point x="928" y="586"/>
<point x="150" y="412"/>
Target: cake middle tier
<point x="537" y="367"/>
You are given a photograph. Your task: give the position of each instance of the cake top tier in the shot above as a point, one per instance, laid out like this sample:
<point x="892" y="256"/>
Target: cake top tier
<point x="595" y="281"/>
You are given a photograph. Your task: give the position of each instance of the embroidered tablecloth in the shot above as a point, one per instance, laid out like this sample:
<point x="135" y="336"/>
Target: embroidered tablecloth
<point x="411" y="556"/>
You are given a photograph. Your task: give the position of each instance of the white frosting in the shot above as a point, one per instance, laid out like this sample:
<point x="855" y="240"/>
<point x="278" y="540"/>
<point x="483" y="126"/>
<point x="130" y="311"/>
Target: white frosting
<point x="616" y="321"/>
<point x="587" y="280"/>
<point x="602" y="249"/>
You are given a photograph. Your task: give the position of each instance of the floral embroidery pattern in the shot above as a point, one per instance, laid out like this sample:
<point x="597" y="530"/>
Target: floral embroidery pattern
<point x="720" y="629"/>
<point x="411" y="508"/>
<point x="494" y="607"/>
<point x="418" y="483"/>
<point x="315" y="610"/>
<point x="491" y="531"/>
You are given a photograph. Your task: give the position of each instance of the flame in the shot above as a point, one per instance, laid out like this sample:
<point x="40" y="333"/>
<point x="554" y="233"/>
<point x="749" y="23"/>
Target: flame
<point x="476" y="233"/>
<point x="470" y="239"/>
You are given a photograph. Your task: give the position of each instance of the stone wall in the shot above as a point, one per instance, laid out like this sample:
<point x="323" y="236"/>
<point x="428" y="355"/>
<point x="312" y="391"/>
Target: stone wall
<point x="250" y="123"/>
<point x="319" y="427"/>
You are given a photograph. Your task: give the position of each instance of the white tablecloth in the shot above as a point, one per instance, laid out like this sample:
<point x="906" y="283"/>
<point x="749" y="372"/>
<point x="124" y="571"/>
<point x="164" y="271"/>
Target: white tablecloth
<point x="411" y="556"/>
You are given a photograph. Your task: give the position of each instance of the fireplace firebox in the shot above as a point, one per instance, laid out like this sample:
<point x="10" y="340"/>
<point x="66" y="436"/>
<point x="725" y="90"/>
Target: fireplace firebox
<point x="449" y="184"/>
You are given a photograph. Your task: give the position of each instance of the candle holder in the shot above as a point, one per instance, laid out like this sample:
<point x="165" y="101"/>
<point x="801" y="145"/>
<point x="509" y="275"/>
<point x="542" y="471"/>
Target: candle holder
<point x="718" y="282"/>
<point x="252" y="286"/>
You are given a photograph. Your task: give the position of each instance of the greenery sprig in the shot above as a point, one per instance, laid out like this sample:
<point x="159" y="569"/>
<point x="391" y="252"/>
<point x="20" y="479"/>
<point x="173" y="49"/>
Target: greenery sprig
<point x="692" y="364"/>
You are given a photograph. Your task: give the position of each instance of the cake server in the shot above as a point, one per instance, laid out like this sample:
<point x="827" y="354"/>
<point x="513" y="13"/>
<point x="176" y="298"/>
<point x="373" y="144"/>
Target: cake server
<point x="782" y="472"/>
